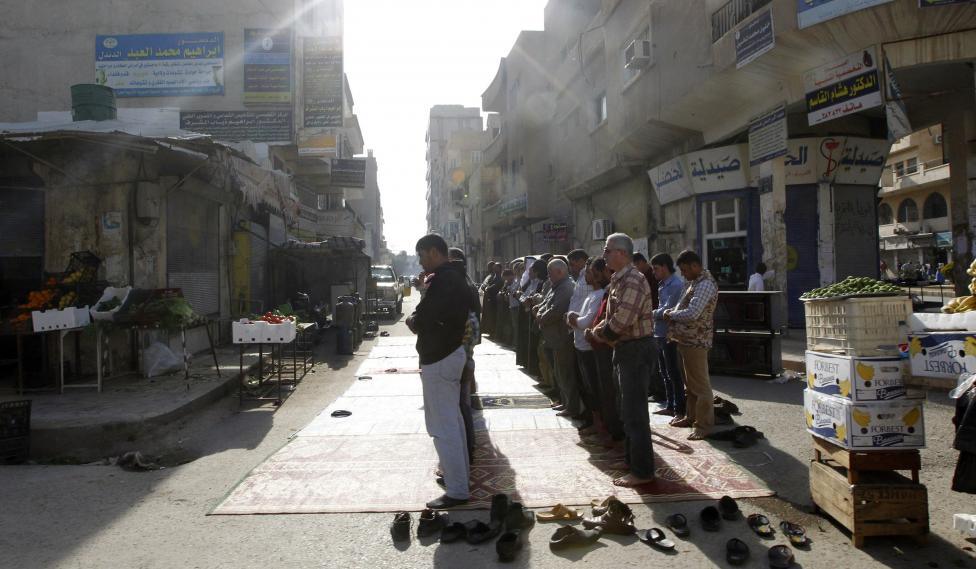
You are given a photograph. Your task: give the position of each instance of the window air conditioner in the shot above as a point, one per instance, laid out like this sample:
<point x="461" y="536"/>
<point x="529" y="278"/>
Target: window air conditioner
<point x="637" y="54"/>
<point x="601" y="229"/>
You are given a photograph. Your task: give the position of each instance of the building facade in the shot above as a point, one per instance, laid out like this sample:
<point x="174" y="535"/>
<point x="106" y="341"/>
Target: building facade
<point x="914" y="208"/>
<point x="747" y="131"/>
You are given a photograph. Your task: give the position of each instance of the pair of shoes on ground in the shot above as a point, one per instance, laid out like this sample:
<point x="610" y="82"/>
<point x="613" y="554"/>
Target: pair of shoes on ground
<point x="737" y="553"/>
<point x="712" y="516"/>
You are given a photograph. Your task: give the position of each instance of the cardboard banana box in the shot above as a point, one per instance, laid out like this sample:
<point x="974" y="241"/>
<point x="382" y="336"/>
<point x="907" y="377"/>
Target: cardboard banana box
<point x="865" y="426"/>
<point x="859" y="379"/>
<point x="945" y="355"/>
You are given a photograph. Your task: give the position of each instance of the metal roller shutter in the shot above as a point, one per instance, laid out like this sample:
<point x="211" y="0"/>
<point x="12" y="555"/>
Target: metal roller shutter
<point x="802" y="234"/>
<point x="192" y="257"/>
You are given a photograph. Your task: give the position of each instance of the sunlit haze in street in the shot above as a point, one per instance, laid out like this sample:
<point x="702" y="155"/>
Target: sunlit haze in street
<point x="404" y="57"/>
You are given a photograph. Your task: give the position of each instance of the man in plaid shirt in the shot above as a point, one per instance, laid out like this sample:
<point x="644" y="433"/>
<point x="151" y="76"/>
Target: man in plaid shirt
<point x="629" y="327"/>
<point x="691" y="326"/>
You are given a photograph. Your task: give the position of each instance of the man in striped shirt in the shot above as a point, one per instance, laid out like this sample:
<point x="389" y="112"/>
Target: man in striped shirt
<point x="691" y="326"/>
<point x="629" y="327"/>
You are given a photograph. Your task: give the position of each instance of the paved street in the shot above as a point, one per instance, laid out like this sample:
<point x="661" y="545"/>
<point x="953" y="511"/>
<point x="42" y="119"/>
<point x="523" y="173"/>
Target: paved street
<point x="102" y="516"/>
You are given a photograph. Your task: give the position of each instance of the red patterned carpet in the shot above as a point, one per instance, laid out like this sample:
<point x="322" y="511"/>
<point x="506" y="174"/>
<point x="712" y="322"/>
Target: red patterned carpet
<point x="382" y="473"/>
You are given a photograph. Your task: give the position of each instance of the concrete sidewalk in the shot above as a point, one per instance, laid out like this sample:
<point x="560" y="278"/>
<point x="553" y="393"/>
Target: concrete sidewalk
<point x="83" y="425"/>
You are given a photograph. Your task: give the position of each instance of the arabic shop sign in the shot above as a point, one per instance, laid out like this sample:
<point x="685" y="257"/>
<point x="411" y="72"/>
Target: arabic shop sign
<point x="862" y="161"/>
<point x="553" y="232"/>
<point x="812" y="12"/>
<point x="267" y="66"/>
<point x="719" y="169"/>
<point x="322" y="81"/>
<point x="671" y="181"/>
<point x="236" y="126"/>
<point x="514" y="205"/>
<point x="843" y="87"/>
<point x="768" y="136"/>
<point x="161" y="65"/>
<point x="348" y="172"/>
<point x="754" y="38"/>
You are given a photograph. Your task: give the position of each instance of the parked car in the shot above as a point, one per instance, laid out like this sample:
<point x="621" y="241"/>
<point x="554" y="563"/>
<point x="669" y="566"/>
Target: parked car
<point x="389" y="293"/>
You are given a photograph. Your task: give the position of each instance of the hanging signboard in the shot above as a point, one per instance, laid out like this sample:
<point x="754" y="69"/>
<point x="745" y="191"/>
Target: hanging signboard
<point x="320" y="142"/>
<point x="843" y="87"/>
<point x="754" y="38"/>
<point x="267" y="65"/>
<point x="768" y="136"/>
<point x="348" y="172"/>
<point x="812" y="12"/>
<point x="671" y="182"/>
<point x="322" y="81"/>
<point x="161" y="65"/>
<point x="236" y="126"/>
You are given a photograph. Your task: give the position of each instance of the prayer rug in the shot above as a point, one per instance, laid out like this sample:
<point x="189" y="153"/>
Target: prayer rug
<point x="541" y="467"/>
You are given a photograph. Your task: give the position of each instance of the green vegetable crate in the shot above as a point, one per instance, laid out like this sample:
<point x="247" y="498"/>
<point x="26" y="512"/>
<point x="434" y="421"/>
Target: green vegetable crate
<point x="858" y="326"/>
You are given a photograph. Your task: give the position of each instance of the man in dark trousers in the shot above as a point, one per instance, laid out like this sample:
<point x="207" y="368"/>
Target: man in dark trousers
<point x="439" y="322"/>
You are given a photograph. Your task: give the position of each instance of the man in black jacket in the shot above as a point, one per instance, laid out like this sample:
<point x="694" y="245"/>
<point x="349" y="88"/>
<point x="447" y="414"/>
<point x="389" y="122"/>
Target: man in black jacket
<point x="439" y="322"/>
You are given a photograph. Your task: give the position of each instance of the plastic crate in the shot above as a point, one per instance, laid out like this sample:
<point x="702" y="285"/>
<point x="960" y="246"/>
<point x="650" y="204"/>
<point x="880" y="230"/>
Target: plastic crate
<point x="871" y="326"/>
<point x="15" y="418"/>
<point x="63" y="319"/>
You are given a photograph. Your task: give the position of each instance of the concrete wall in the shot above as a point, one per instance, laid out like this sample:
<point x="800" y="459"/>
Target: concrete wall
<point x="42" y="60"/>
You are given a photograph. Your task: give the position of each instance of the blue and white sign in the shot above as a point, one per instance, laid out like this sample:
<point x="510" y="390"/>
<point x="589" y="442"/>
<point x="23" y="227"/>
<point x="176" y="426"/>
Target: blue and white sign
<point x="161" y="65"/>
<point x="768" y="136"/>
<point x="671" y="181"/>
<point x="754" y="38"/>
<point x="812" y="12"/>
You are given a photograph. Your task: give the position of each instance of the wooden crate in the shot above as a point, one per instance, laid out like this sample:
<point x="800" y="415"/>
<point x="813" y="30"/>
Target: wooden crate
<point x="881" y="504"/>
<point x="857" y="461"/>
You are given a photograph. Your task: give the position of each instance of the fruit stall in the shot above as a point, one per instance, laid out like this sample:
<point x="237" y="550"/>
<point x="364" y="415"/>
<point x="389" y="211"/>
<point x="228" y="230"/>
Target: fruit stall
<point x="75" y="303"/>
<point x="289" y="349"/>
<point x="56" y="310"/>
<point x="866" y="423"/>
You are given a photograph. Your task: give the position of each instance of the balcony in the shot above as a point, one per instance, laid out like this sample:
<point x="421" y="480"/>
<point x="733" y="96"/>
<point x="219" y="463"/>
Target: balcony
<point x="726" y="18"/>
<point x="928" y="173"/>
<point x="493" y="154"/>
<point x="914" y="228"/>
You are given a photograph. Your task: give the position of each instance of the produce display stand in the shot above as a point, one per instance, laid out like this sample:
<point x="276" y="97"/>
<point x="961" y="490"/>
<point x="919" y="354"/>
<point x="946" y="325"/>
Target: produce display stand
<point x="863" y="492"/>
<point x="270" y="374"/>
<point x="58" y="384"/>
<point x="861" y="489"/>
<point x="130" y="317"/>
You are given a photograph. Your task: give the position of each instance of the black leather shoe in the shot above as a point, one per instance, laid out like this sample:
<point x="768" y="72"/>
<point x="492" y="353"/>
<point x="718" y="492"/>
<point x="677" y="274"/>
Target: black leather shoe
<point x="499" y="507"/>
<point x="445" y="502"/>
<point x="518" y="518"/>
<point x="400" y="528"/>
<point x="508" y="545"/>
<point x="431" y="522"/>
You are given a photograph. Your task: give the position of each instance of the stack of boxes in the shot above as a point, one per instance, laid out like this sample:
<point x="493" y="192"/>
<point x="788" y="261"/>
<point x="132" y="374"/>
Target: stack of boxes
<point x="866" y="422"/>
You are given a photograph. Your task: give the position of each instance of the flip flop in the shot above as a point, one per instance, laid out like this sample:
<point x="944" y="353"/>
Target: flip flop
<point x="728" y="508"/>
<point x="760" y="524"/>
<point x="364" y="377"/>
<point x="678" y="524"/>
<point x="339" y="413"/>
<point x="558" y="513"/>
<point x="780" y="557"/>
<point x="736" y="551"/>
<point x="796" y="533"/>
<point x="656" y="538"/>
<point x="569" y="536"/>
<point x="711" y="520"/>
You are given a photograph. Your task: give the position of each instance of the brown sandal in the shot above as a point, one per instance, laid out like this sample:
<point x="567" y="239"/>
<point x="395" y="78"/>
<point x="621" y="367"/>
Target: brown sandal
<point x="618" y="519"/>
